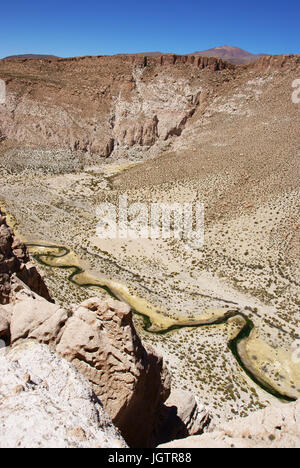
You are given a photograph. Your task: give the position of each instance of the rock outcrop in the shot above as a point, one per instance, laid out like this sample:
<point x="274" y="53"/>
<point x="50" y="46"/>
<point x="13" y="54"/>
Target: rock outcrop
<point x="14" y="260"/>
<point x="142" y="131"/>
<point x="107" y="105"/>
<point x="181" y="416"/>
<point x="99" y="339"/>
<point x="277" y="426"/>
<point x="276" y="62"/>
<point x="102" y="105"/>
<point x="46" y="403"/>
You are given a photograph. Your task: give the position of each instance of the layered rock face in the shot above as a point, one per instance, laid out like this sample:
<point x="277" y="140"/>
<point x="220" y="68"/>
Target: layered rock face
<point x="277" y="62"/>
<point x="106" y="106"/>
<point x="14" y="260"/>
<point x="46" y="403"/>
<point x="277" y="426"/>
<point x="103" y="105"/>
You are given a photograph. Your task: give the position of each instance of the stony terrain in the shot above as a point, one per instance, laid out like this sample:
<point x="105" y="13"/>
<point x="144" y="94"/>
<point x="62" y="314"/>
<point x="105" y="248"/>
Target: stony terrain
<point x="170" y="129"/>
<point x="99" y="339"/>
<point x="102" y="105"/>
<point x="46" y="403"/>
<point x="277" y="426"/>
<point x="14" y="260"/>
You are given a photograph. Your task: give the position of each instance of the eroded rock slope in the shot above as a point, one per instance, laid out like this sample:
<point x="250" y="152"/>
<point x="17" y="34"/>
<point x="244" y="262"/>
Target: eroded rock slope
<point x="46" y="403"/>
<point x="277" y="426"/>
<point x="14" y="260"/>
<point x="103" y="105"/>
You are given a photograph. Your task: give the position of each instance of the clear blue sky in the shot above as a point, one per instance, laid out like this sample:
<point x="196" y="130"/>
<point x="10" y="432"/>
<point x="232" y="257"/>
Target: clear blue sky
<point x="68" y="28"/>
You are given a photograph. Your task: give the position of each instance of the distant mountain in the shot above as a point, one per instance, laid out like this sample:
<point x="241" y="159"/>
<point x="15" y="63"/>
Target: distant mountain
<point x="144" y="54"/>
<point x="30" y="56"/>
<point x="231" y="54"/>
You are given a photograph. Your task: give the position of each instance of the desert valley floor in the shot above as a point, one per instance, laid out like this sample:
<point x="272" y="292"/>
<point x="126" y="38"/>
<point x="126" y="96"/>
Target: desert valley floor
<point x="238" y="153"/>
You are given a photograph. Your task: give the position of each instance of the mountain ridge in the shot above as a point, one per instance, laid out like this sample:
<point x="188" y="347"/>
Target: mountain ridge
<point x="29" y="56"/>
<point x="232" y="54"/>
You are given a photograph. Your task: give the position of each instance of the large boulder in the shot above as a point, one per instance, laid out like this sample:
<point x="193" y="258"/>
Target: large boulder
<point x="99" y="338"/>
<point x="181" y="416"/>
<point x="131" y="381"/>
<point x="46" y="403"/>
<point x="277" y="426"/>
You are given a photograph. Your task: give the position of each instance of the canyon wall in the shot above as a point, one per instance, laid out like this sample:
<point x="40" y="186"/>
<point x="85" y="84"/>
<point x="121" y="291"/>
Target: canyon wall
<point x="125" y="106"/>
<point x="103" y="105"/>
<point x="14" y="261"/>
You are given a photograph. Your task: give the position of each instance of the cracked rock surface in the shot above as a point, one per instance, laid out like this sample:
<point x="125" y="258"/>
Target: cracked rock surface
<point x="46" y="403"/>
<point x="99" y="339"/>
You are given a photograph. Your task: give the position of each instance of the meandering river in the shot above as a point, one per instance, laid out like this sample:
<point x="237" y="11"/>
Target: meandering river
<point x="154" y="321"/>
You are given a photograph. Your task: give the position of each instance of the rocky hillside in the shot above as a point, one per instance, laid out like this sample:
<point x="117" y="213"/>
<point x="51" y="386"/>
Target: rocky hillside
<point x="99" y="340"/>
<point x="15" y="263"/>
<point x="104" y="105"/>
<point x="227" y="136"/>
<point x="234" y="55"/>
<point x="130" y="106"/>
<point x="112" y="376"/>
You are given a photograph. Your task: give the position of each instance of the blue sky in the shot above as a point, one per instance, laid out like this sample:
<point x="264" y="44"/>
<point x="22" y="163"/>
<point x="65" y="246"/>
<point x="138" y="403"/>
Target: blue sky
<point x="67" y="28"/>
